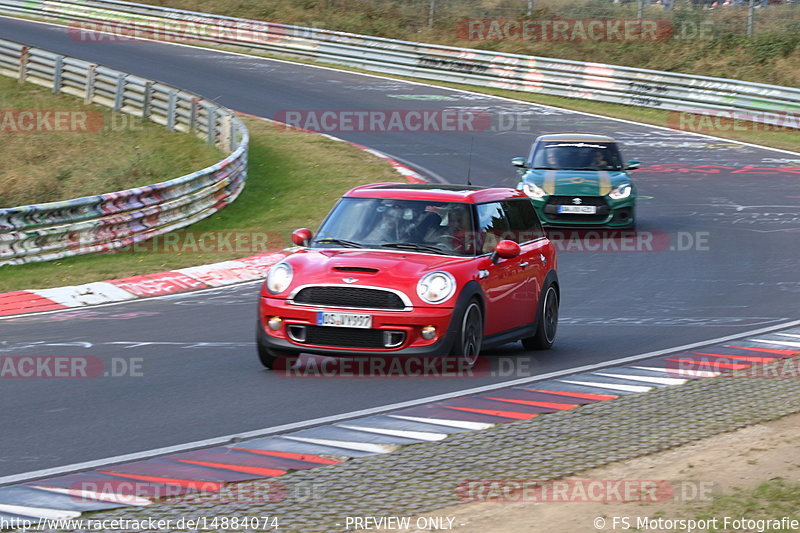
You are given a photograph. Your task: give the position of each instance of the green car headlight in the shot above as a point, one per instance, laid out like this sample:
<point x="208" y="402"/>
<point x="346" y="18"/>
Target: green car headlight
<point x="621" y="192"/>
<point x="533" y="191"/>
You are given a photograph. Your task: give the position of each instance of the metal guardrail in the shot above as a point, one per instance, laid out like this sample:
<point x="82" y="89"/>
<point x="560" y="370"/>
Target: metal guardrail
<point x="114" y="220"/>
<point x="756" y="102"/>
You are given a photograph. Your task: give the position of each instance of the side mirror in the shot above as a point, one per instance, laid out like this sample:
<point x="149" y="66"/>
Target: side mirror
<point x="505" y="250"/>
<point x="518" y="162"/>
<point x="632" y="165"/>
<point x="301" y="237"/>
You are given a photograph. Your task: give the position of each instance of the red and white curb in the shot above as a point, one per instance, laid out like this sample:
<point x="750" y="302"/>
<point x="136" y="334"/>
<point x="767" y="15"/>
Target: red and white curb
<point x="189" y="474"/>
<point x="163" y="283"/>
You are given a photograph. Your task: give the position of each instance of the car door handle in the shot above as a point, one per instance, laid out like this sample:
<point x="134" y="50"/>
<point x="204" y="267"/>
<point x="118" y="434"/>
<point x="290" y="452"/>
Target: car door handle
<point x="524" y="264"/>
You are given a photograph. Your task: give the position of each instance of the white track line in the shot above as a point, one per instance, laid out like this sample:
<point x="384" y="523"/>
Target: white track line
<point x="644" y="379"/>
<point x="347" y="445"/>
<point x="237" y="437"/>
<point x="405" y="433"/>
<point x="610" y="386"/>
<point x="460" y="424"/>
<point x="421" y="83"/>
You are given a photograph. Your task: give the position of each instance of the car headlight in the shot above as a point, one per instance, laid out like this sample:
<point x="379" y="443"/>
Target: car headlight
<point x="279" y="278"/>
<point x="436" y="287"/>
<point x="623" y="191"/>
<point x="533" y="191"/>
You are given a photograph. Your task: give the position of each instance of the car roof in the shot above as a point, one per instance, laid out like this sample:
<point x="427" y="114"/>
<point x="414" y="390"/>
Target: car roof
<point x="435" y="192"/>
<point x="575" y="137"/>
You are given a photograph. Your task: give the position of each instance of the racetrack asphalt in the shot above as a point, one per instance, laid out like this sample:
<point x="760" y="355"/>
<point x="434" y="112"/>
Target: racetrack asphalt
<point x="199" y="374"/>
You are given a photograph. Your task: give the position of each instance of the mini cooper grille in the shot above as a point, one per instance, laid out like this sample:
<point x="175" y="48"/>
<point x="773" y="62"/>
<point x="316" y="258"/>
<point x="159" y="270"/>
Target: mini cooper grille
<point x="355" y="297"/>
<point x="347" y="337"/>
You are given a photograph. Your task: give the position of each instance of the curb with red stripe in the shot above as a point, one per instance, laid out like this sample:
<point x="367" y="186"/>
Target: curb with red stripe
<point x="209" y="470"/>
<point x="163" y="283"/>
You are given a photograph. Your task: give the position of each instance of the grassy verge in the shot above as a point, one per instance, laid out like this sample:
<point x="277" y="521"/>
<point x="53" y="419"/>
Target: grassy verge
<point x="771" y="56"/>
<point x="771" y="500"/>
<point x="293" y="180"/>
<point x="91" y="149"/>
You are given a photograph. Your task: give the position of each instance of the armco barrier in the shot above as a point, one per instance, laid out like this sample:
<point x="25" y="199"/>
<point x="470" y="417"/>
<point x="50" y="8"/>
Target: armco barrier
<point x="109" y="221"/>
<point x="592" y="81"/>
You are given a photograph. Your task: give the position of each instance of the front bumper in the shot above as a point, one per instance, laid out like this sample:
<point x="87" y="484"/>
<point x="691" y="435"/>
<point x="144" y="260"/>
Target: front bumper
<point x="610" y="213"/>
<point x="392" y="332"/>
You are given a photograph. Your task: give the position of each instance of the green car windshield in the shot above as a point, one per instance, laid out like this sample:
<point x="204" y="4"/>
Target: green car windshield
<point x="411" y="225"/>
<point x="575" y="155"/>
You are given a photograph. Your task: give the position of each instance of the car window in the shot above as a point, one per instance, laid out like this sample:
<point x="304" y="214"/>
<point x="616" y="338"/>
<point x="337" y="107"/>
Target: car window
<point x="493" y="226"/>
<point x="523" y="220"/>
<point x="438" y="227"/>
<point x="575" y="155"/>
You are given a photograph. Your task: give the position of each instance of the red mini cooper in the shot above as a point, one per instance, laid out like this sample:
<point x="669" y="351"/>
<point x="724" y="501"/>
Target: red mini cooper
<point x="413" y="270"/>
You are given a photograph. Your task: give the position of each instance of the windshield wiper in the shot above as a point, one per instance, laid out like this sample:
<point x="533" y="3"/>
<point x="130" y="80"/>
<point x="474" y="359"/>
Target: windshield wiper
<point x="347" y="244"/>
<point x="415" y="247"/>
<point x="546" y="168"/>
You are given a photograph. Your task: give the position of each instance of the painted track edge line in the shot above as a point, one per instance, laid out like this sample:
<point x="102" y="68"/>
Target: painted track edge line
<point x="235" y="438"/>
<point x="329" y="66"/>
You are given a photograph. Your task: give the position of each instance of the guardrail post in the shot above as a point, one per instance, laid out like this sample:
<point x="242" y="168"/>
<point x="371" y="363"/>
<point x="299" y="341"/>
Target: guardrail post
<point x="148" y="97"/>
<point x="431" y="13"/>
<point x="171" y="108"/>
<point x="211" y="116"/>
<point x="193" y="115"/>
<point x="119" y="94"/>
<point x="226" y="131"/>
<point x="24" y="56"/>
<point x="91" y="73"/>
<point x="751" y="15"/>
<point x="59" y="68"/>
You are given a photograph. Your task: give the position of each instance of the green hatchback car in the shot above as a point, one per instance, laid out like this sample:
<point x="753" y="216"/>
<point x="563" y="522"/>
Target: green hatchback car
<point x="579" y="180"/>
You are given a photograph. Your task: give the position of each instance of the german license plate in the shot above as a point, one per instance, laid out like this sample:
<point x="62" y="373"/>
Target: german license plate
<point x="578" y="209"/>
<point x="344" y="320"/>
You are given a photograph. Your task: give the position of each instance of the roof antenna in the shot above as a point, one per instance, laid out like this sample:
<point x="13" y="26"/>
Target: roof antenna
<point x="469" y="161"/>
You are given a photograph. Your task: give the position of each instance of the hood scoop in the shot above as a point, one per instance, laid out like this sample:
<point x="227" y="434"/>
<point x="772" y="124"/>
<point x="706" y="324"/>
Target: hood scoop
<point x="360" y="270"/>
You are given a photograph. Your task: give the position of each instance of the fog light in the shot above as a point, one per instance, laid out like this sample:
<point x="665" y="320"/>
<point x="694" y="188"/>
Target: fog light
<point x="428" y="332"/>
<point x="274" y="323"/>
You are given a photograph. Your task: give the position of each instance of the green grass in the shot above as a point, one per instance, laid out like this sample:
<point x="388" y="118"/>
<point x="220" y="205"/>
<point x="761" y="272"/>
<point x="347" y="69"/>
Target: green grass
<point x="293" y="180"/>
<point x="124" y="151"/>
<point x="771" y="56"/>
<point x="771" y="500"/>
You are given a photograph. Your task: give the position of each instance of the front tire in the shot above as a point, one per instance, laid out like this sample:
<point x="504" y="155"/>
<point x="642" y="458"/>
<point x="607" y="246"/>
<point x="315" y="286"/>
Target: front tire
<point x="548" y="322"/>
<point x="470" y="335"/>
<point x="270" y="357"/>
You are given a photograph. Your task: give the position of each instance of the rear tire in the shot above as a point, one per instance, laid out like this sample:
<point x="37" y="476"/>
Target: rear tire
<point x="548" y="322"/>
<point x="470" y="335"/>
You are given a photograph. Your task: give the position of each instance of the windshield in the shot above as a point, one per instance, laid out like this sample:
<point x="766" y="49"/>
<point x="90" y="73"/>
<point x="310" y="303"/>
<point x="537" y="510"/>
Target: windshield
<point x="565" y="155"/>
<point x="414" y="225"/>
